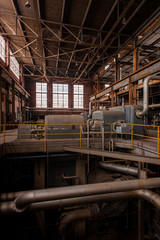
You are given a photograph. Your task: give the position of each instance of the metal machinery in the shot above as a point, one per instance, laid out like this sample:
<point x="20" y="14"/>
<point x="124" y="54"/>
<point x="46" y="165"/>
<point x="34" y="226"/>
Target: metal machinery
<point x="98" y="194"/>
<point x="56" y="128"/>
<point x="117" y="115"/>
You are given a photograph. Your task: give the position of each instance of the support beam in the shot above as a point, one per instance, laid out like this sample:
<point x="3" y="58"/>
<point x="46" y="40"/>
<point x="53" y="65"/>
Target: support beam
<point x="141" y="73"/>
<point x="22" y="30"/>
<point x="79" y="33"/>
<point x="135" y="58"/>
<point x="106" y="38"/>
<point x="41" y="42"/>
<point x="116" y="77"/>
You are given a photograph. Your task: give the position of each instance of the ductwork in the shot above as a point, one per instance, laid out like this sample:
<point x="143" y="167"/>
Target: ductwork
<point x="24" y="200"/>
<point x="141" y="113"/>
<point x="122" y="169"/>
<point x="76" y="215"/>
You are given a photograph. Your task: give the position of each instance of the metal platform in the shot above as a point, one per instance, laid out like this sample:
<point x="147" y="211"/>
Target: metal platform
<point x="116" y="155"/>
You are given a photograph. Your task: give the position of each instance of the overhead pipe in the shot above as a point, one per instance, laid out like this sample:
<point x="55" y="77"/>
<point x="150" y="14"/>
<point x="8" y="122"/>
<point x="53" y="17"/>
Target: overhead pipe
<point x="123" y="169"/>
<point x="141" y="113"/>
<point x="145" y="194"/>
<point x="76" y="215"/>
<point x="23" y="201"/>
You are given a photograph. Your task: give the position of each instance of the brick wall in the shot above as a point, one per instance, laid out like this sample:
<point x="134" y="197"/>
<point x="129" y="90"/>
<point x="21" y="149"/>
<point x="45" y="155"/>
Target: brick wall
<point x="31" y="88"/>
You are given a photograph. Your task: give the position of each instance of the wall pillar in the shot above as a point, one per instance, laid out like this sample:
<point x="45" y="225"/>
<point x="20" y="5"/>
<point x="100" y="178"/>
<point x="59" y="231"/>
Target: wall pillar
<point x="49" y="95"/>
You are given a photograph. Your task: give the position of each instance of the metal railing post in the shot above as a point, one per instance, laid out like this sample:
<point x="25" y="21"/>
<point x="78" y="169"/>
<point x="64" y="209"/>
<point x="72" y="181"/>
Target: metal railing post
<point x="132" y="136"/>
<point x="111" y="130"/>
<point x="80" y="135"/>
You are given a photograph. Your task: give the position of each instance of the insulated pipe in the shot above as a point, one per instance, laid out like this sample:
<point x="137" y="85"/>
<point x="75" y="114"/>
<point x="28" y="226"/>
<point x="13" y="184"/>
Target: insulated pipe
<point x="78" y="214"/>
<point x="154" y="198"/>
<point x="122" y="168"/>
<point x="90" y="110"/>
<point x="49" y="194"/>
<point x="141" y="113"/>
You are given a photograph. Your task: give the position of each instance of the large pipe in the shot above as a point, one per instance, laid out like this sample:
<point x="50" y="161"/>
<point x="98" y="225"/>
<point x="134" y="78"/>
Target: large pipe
<point x="154" y="198"/>
<point x="90" y="109"/>
<point x="123" y="169"/>
<point x="78" y="214"/>
<point x="22" y="201"/>
<point x="141" y="113"/>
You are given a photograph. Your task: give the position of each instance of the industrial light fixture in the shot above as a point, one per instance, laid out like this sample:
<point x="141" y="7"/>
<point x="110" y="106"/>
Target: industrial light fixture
<point x="27" y="4"/>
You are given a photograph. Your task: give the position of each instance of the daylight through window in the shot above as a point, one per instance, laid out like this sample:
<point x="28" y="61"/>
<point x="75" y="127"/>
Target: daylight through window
<point x="78" y="96"/>
<point x="60" y="95"/>
<point x="14" y="65"/>
<point x="41" y="95"/>
<point x="2" y="48"/>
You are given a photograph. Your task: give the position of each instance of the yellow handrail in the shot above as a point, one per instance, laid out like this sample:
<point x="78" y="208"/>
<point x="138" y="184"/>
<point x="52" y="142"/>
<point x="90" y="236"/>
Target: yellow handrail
<point x="80" y="133"/>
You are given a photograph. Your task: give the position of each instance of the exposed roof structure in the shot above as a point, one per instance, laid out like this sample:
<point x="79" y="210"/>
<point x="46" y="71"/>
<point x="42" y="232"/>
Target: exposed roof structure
<point x="74" y="38"/>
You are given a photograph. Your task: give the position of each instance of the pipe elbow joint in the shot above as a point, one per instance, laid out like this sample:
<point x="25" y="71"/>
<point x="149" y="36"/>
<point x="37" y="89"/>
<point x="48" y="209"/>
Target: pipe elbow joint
<point x="139" y="114"/>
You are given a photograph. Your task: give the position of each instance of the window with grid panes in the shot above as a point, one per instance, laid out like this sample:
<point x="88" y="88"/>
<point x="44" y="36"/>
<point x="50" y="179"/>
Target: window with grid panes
<point x="78" y="96"/>
<point x="2" y="48"/>
<point x="41" y="95"/>
<point x="60" y="95"/>
<point x="14" y="65"/>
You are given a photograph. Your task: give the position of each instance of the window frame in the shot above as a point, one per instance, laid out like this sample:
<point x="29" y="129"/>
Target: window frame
<point x="41" y="94"/>
<point x="14" y="65"/>
<point x="2" y="49"/>
<point x="60" y="94"/>
<point x="79" y="95"/>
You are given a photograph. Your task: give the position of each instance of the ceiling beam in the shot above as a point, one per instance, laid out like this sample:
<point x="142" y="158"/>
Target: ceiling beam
<point x="99" y="33"/>
<point x="79" y="33"/>
<point x="41" y="41"/>
<point x="128" y="20"/>
<point x="107" y="37"/>
<point x="21" y="28"/>
<point x="59" y="43"/>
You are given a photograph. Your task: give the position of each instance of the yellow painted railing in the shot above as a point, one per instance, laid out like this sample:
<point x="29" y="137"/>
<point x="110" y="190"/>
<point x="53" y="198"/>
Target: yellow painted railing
<point x="42" y="132"/>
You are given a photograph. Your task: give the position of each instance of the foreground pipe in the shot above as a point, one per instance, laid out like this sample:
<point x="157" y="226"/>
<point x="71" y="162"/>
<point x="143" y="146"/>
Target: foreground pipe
<point x="122" y="169"/>
<point x="22" y="201"/>
<point x="141" y="113"/>
<point x="83" y="190"/>
<point x="78" y="214"/>
<point x="154" y="198"/>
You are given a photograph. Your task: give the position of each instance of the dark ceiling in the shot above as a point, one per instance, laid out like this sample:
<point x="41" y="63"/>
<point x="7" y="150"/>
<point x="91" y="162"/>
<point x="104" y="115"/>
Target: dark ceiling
<point x="71" y="39"/>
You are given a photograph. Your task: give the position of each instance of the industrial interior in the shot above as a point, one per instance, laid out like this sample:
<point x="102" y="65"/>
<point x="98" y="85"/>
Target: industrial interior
<point x="80" y="119"/>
